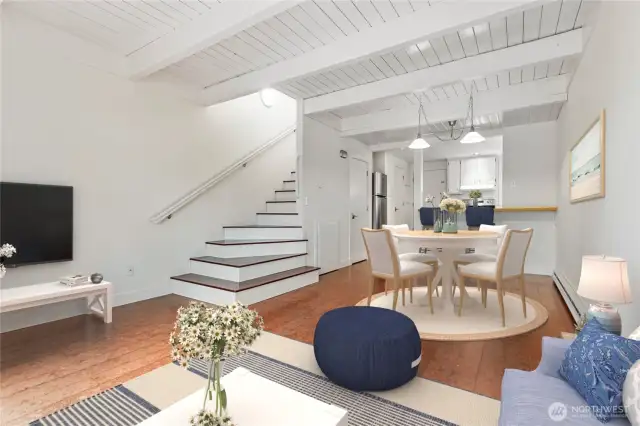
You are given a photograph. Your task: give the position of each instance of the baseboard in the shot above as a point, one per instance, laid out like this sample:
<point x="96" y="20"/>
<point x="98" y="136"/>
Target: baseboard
<point x="560" y="280"/>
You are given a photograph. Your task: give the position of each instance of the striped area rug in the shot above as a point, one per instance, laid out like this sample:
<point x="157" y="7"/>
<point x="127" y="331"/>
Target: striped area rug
<point x="115" y="406"/>
<point x="119" y="406"/>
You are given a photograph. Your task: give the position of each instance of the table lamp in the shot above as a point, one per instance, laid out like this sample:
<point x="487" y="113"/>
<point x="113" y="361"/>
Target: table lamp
<point x="605" y="280"/>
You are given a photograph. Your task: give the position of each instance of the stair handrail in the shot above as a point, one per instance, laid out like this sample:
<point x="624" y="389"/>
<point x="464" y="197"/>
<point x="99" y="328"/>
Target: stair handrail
<point x="181" y="202"/>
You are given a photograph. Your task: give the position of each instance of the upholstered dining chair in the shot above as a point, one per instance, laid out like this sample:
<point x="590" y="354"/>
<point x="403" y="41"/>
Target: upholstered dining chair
<point x="508" y="266"/>
<point x="483" y="254"/>
<point x="386" y="265"/>
<point x="429" y="259"/>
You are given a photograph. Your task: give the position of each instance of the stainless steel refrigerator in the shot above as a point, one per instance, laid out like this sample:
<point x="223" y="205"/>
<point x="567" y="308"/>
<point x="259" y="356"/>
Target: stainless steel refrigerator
<point x="379" y="200"/>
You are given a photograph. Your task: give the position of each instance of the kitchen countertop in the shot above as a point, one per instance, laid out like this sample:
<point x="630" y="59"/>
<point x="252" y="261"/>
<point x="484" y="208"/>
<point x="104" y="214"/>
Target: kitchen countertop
<point x="527" y="209"/>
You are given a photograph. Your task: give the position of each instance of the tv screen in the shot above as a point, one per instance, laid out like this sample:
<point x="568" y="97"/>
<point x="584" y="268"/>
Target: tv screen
<point x="38" y="221"/>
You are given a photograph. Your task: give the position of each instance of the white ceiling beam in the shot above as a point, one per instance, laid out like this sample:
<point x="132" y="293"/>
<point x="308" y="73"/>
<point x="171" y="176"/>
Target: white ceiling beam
<point x="224" y="20"/>
<point x="429" y="22"/>
<point x="539" y="92"/>
<point x="546" y="49"/>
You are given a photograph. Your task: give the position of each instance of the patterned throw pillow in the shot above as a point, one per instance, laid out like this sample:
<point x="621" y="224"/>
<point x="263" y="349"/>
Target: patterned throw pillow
<point x="596" y="365"/>
<point x="631" y="394"/>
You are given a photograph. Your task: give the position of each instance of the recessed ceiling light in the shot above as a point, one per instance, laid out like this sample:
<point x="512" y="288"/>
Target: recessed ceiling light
<point x="268" y="97"/>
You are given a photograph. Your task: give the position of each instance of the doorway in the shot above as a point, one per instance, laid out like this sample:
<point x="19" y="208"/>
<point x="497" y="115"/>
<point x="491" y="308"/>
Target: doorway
<point x="359" y="202"/>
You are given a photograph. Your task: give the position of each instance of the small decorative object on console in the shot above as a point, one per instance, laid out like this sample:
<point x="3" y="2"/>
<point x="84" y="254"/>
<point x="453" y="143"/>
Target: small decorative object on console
<point x="6" y="251"/>
<point x="213" y="334"/>
<point x="75" y="280"/>
<point x="96" y="278"/>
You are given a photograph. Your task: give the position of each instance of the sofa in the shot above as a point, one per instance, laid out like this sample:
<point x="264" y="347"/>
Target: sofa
<point x="542" y="398"/>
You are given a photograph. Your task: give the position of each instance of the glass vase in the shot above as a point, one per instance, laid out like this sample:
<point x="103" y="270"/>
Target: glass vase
<point x="215" y="390"/>
<point x="450" y="225"/>
<point x="437" y="220"/>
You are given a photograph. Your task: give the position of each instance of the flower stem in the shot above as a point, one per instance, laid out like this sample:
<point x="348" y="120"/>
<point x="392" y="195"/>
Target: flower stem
<point x="204" y="404"/>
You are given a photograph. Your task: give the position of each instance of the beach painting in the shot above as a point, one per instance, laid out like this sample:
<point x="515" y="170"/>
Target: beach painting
<point x="587" y="164"/>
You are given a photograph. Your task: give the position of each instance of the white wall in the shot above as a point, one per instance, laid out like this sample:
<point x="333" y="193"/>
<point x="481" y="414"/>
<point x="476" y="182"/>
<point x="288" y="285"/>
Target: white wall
<point x="324" y="192"/>
<point x="128" y="150"/>
<point x="529" y="165"/>
<point x="607" y="77"/>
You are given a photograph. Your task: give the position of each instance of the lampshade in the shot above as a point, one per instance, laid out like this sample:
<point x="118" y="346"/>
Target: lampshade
<point x="419" y="143"/>
<point x="472" y="137"/>
<point x="604" y="279"/>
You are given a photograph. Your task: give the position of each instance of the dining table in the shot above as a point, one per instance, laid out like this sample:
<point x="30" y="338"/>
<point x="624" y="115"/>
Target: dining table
<point x="446" y="246"/>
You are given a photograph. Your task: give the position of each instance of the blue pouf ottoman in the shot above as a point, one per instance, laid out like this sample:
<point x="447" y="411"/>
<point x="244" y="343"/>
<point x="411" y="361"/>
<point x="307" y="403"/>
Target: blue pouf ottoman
<point x="367" y="349"/>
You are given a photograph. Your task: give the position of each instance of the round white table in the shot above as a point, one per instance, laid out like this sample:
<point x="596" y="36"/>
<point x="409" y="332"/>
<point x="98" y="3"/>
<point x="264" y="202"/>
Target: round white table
<point x="445" y="247"/>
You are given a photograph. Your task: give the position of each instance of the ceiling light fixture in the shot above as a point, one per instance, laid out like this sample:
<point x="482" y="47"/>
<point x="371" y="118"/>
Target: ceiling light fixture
<point x="419" y="142"/>
<point x="470" y="137"/>
<point x="268" y="97"/>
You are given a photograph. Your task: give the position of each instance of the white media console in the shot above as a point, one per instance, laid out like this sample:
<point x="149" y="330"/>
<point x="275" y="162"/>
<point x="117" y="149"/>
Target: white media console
<point x="99" y="297"/>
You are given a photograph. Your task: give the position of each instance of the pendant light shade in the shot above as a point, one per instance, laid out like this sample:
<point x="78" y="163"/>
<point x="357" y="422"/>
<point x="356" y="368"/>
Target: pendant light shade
<point x="419" y="143"/>
<point x="472" y="137"/>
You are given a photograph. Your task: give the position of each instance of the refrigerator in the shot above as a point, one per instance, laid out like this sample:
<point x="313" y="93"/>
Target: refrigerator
<point x="379" y="200"/>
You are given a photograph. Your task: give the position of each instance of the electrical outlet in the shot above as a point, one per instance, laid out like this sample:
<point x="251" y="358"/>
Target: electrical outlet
<point x="130" y="271"/>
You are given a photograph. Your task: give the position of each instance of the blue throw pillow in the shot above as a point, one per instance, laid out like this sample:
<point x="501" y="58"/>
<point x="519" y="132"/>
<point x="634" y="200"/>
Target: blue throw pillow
<point x="596" y="365"/>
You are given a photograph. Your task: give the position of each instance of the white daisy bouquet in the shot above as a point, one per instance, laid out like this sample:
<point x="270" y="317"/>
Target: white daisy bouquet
<point x="213" y="334"/>
<point x="452" y="205"/>
<point x="6" y="251"/>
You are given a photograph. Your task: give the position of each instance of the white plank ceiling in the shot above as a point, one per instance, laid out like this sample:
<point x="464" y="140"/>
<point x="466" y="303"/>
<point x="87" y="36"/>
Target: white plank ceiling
<point x="121" y="26"/>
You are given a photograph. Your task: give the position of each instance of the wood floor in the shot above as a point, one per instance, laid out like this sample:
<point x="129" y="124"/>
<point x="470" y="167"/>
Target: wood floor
<point x="47" y="367"/>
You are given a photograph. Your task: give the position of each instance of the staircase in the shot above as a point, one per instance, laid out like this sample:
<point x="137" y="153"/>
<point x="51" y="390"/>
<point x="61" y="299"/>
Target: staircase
<point x="253" y="262"/>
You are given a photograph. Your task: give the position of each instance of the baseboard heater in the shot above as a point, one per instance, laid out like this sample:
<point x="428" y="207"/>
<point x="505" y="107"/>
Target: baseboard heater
<point x="568" y="300"/>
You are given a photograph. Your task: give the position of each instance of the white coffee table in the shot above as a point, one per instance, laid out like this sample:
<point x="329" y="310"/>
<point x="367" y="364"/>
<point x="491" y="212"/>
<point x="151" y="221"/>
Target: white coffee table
<point x="255" y="401"/>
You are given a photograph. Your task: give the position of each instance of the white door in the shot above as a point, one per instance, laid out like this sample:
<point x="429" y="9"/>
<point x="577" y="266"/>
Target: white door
<point x="359" y="195"/>
<point x="435" y="182"/>
<point x="399" y="196"/>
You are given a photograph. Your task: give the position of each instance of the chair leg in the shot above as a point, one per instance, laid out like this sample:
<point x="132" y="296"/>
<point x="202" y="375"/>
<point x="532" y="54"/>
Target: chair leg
<point x="478" y="285"/>
<point x="522" y="295"/>
<point x="462" y="292"/>
<point x="430" y="290"/>
<point x="396" y="288"/>
<point x="404" y="284"/>
<point x="411" y="290"/>
<point x="371" y="284"/>
<point x="501" y="302"/>
<point x="386" y="286"/>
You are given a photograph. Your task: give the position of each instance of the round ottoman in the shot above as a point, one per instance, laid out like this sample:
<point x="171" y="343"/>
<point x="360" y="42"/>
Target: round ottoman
<point x="365" y="348"/>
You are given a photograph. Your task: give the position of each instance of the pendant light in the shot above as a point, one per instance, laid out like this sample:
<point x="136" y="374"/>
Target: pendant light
<point x="419" y="142"/>
<point x="472" y="136"/>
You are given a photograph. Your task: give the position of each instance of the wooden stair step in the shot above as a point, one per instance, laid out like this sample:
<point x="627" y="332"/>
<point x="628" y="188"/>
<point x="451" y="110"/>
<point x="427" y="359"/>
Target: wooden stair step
<point x="241" y="262"/>
<point x="247" y="242"/>
<point x="236" y="287"/>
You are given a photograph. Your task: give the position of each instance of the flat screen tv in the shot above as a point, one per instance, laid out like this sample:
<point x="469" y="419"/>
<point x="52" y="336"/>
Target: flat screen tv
<point x="38" y="221"/>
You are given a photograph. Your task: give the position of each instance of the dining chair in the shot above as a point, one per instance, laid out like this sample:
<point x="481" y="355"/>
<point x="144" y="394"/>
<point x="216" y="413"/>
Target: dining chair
<point x="508" y="266"/>
<point x="386" y="265"/>
<point x="482" y="254"/>
<point x="429" y="259"/>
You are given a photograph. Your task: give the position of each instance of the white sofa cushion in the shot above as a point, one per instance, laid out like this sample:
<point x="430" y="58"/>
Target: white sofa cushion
<point x="631" y="394"/>
<point x="635" y="335"/>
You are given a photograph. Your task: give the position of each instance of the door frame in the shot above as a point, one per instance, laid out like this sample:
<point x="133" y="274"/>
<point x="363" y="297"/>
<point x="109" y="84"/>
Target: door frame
<point x="369" y="195"/>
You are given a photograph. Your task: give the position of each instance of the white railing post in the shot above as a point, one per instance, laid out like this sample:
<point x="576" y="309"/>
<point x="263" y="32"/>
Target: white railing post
<point x="181" y="202"/>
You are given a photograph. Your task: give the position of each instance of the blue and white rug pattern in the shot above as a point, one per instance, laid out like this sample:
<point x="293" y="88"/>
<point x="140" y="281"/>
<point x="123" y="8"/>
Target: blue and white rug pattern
<point x="119" y="406"/>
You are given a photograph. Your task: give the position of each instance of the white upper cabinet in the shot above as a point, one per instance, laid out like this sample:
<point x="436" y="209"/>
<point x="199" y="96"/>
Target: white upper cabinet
<point x="478" y="173"/>
<point x="453" y="176"/>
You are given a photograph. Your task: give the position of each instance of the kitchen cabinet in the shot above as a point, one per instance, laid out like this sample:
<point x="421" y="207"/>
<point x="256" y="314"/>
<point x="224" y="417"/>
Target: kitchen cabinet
<point x="478" y="173"/>
<point x="453" y="176"/>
